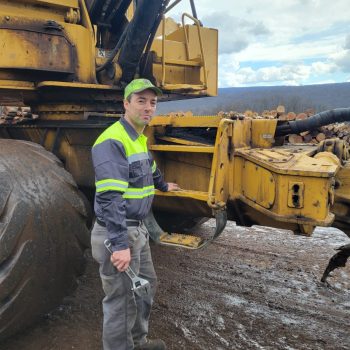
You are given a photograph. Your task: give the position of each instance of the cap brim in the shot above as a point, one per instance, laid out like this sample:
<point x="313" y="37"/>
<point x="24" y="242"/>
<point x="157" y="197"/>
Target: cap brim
<point x="153" y="88"/>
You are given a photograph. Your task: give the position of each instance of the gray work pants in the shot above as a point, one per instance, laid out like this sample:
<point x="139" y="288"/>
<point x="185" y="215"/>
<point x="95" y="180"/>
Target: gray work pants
<point x="125" y="315"/>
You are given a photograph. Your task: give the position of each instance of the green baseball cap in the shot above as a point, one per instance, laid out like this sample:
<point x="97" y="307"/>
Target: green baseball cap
<point x="138" y="85"/>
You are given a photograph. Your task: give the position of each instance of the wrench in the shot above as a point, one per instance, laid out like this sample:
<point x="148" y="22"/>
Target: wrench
<point x="140" y="286"/>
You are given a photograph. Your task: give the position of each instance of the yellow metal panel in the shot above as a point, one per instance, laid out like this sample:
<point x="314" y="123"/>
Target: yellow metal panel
<point x="220" y="169"/>
<point x="195" y="121"/>
<point x="180" y="141"/>
<point x="202" y="196"/>
<point x="258" y="185"/>
<point x="181" y="240"/>
<point x="284" y="162"/>
<point x="250" y="183"/>
<point x="242" y="133"/>
<point x="296" y="194"/>
<point x="12" y="11"/>
<point x="210" y="48"/>
<point x="83" y="40"/>
<point x="175" y="50"/>
<point x="55" y="3"/>
<point x="176" y="75"/>
<point x="263" y="132"/>
<point x="315" y="195"/>
<point x="182" y="63"/>
<point x="178" y="148"/>
<point x="62" y="84"/>
<point x="13" y="84"/>
<point x="183" y="70"/>
<point x="23" y="49"/>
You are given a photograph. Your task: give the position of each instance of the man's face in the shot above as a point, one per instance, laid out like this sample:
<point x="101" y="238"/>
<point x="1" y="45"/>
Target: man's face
<point x="141" y="108"/>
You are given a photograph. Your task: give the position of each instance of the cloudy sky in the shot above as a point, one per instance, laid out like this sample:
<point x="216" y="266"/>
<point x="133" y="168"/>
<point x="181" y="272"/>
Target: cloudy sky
<point x="276" y="42"/>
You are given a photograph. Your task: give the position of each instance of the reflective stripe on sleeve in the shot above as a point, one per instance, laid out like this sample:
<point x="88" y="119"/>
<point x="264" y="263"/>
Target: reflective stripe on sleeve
<point x="138" y="156"/>
<point x="111" y="185"/>
<point x="139" y="192"/>
<point x="154" y="166"/>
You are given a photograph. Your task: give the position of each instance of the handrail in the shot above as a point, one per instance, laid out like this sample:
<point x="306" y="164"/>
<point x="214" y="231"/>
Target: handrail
<point x="163" y="51"/>
<point x="198" y="25"/>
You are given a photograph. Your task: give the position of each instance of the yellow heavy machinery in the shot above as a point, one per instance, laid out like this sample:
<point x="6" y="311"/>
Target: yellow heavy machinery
<point x="69" y="61"/>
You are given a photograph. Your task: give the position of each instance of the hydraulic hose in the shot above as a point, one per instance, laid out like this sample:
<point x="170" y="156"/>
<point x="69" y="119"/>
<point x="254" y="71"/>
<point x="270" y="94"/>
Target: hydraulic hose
<point x="320" y="119"/>
<point x="137" y="36"/>
<point x="114" y="51"/>
<point x="152" y="35"/>
<point x="122" y="8"/>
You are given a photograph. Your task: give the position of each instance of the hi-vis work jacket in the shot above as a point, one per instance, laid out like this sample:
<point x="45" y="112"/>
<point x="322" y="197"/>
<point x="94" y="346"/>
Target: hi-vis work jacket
<point x="126" y="176"/>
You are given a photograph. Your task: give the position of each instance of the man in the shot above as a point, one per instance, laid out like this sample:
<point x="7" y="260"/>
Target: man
<point x="126" y="176"/>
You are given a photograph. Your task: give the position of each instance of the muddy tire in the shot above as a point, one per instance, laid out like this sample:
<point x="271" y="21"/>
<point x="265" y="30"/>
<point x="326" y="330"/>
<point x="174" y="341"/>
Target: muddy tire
<point x="43" y="234"/>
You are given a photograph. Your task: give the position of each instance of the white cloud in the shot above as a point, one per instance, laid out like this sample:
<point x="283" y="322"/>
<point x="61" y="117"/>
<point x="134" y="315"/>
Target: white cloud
<point x="347" y="42"/>
<point x="342" y="58"/>
<point x="279" y="42"/>
<point x="288" y="74"/>
<point x="236" y="33"/>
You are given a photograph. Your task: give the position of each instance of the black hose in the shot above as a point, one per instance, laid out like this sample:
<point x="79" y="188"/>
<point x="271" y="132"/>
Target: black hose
<point x="152" y="35"/>
<point x="114" y="51"/>
<point x="320" y="119"/>
<point x="137" y="36"/>
<point x="118" y="11"/>
<point x="193" y="8"/>
<point x="121" y="8"/>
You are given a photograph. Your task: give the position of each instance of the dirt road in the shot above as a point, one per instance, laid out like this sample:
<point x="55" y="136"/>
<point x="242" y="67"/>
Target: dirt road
<point x="255" y="288"/>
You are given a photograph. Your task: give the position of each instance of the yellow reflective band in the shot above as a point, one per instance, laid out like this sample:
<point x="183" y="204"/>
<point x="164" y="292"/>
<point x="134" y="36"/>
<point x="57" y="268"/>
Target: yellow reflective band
<point x="120" y="182"/>
<point x="111" y="185"/>
<point x="137" y="196"/>
<point x="118" y="133"/>
<point x="110" y="188"/>
<point x="154" y="166"/>
<point x="139" y="192"/>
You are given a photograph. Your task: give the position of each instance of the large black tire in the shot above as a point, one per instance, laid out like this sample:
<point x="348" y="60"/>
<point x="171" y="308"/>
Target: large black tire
<point x="43" y="234"/>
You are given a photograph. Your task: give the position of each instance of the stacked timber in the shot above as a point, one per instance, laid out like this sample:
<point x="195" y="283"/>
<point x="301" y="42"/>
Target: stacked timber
<point x="337" y="130"/>
<point x="14" y="114"/>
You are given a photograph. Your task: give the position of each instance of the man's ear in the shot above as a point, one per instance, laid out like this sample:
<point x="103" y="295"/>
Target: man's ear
<point x="126" y="103"/>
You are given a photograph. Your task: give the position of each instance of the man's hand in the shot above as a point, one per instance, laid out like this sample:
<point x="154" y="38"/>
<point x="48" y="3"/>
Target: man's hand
<point x="121" y="259"/>
<point x="173" y="187"/>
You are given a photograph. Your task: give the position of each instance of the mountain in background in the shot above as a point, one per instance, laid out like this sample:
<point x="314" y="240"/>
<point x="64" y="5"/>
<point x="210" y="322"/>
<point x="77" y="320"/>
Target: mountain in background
<point x="294" y="98"/>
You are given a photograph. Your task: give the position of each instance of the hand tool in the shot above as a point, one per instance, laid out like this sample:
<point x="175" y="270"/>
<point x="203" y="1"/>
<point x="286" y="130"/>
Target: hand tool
<point x="140" y="286"/>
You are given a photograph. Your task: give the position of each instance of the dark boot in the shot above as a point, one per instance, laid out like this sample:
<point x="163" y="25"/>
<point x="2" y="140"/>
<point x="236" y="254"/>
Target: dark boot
<point x="151" y="344"/>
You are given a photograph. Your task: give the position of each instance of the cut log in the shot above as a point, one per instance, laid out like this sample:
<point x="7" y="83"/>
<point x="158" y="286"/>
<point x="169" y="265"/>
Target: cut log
<point x="283" y="117"/>
<point x="310" y="112"/>
<point x="307" y="138"/>
<point x="320" y="137"/>
<point x="291" y="116"/>
<point x="301" y="116"/>
<point x="280" y="110"/>
<point x="294" y="138"/>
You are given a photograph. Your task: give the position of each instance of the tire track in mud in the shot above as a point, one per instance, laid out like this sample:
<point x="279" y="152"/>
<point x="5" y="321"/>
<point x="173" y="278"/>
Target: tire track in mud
<point x="258" y="290"/>
<point x="253" y="288"/>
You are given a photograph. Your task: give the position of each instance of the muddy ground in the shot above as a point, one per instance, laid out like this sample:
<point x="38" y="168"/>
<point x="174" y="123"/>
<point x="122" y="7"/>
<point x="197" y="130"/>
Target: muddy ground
<point x="255" y="288"/>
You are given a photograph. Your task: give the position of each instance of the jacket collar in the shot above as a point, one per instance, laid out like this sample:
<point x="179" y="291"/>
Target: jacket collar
<point x="129" y="129"/>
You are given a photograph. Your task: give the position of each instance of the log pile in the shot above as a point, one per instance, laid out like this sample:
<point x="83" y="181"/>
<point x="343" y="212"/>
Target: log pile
<point x="15" y="115"/>
<point x="337" y="130"/>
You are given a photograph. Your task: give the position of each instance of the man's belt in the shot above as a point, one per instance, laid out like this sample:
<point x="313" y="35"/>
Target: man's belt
<point x="129" y="222"/>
